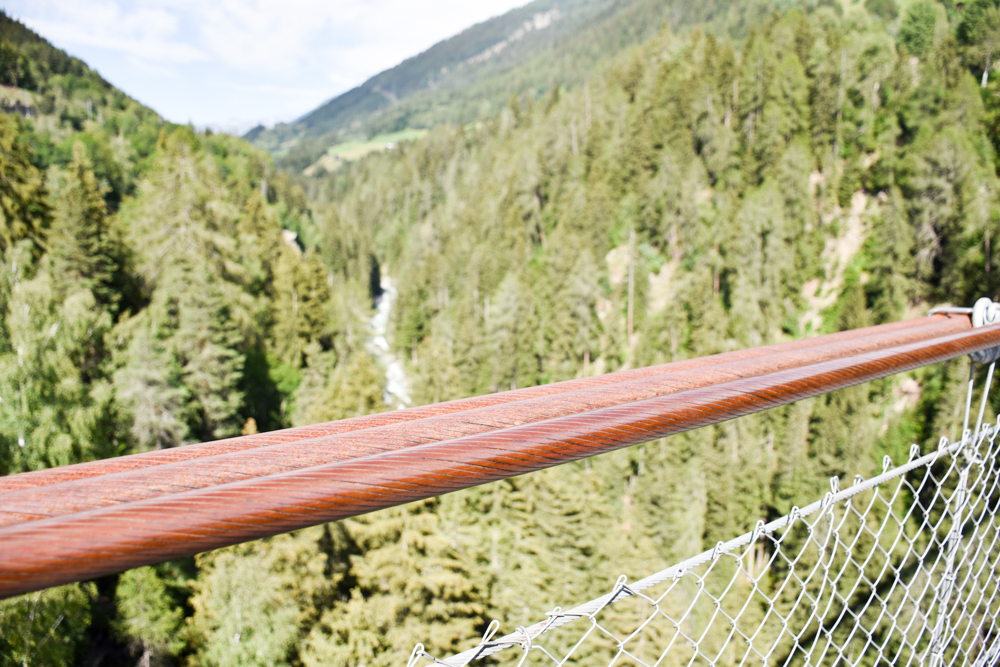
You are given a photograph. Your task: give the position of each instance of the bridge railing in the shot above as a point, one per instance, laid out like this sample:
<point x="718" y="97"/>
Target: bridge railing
<point x="79" y="522"/>
<point x="899" y="569"/>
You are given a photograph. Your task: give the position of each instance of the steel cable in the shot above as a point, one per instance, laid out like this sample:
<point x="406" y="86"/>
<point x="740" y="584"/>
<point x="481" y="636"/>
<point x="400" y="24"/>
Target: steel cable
<point x="29" y="504"/>
<point x="919" y="329"/>
<point x="85" y="544"/>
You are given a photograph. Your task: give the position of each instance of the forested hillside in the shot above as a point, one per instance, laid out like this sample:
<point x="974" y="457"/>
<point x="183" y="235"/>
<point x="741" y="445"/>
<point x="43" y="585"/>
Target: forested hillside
<point x="469" y="77"/>
<point x="832" y="170"/>
<point x="157" y="287"/>
<point x="808" y="170"/>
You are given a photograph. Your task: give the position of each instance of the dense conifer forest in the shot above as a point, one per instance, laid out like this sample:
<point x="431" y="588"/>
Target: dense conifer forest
<point x="779" y="172"/>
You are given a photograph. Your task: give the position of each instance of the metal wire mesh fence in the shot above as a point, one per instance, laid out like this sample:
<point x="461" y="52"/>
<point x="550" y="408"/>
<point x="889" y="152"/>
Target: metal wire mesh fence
<point x="902" y="568"/>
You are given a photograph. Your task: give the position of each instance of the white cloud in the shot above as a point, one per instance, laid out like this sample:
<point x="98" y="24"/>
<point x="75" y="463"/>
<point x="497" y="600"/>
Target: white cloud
<point x="246" y="58"/>
<point x="147" y="33"/>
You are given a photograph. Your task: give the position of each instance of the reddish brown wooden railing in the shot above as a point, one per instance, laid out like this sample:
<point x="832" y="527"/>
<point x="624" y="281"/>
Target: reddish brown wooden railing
<point x="79" y="522"/>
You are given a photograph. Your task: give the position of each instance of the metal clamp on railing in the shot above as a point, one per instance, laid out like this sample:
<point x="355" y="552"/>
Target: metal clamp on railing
<point x="984" y="313"/>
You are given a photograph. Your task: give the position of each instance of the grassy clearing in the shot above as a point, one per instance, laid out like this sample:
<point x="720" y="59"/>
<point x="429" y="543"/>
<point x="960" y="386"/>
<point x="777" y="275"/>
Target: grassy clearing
<point x="352" y="150"/>
<point x="355" y="150"/>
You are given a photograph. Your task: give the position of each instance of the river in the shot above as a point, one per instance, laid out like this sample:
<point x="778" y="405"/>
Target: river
<point x="397" y="384"/>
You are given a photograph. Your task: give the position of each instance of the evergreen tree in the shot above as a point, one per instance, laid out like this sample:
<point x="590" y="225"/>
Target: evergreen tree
<point x="439" y="376"/>
<point x="916" y="32"/>
<point x="547" y="538"/>
<point x="573" y="329"/>
<point x="418" y="581"/>
<point x="86" y="253"/>
<point x="891" y="249"/>
<point x="45" y="628"/>
<point x="148" y="389"/>
<point x="353" y="389"/>
<point x="207" y="342"/>
<point x="942" y="179"/>
<point x="260" y="242"/>
<point x="56" y="402"/>
<point x="301" y="304"/>
<point x="979" y="31"/>
<point x="146" y="618"/>
<point x="252" y="601"/>
<point x="514" y="336"/>
<point x="887" y="10"/>
<point x="24" y="211"/>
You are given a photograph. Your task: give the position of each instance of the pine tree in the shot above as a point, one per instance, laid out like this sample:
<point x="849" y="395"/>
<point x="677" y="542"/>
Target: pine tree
<point x="549" y="537"/>
<point x="85" y="250"/>
<point x="57" y="405"/>
<point x="353" y="389"/>
<point x="260" y="242"/>
<point x="24" y="211"/>
<point x="514" y="336"/>
<point x="147" y="619"/>
<point x="439" y="377"/>
<point x="979" y="31"/>
<point x="887" y="10"/>
<point x="892" y="286"/>
<point x="200" y="322"/>
<point x="207" y="342"/>
<point x="763" y="266"/>
<point x="418" y="581"/>
<point x="301" y="304"/>
<point x="45" y="628"/>
<point x="149" y="390"/>
<point x="182" y="216"/>
<point x="916" y="32"/>
<point x="573" y="328"/>
<point x="253" y="601"/>
<point x="940" y="187"/>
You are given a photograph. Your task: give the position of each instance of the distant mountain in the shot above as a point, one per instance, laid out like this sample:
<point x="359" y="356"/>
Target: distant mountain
<point x="527" y="51"/>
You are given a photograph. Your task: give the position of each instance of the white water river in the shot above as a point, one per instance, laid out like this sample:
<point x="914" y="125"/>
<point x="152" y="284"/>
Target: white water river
<point x="397" y="385"/>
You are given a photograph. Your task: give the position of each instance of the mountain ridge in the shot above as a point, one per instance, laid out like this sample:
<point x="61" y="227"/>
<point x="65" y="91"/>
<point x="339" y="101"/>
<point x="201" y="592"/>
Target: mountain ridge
<point x="416" y="72"/>
<point x="543" y="45"/>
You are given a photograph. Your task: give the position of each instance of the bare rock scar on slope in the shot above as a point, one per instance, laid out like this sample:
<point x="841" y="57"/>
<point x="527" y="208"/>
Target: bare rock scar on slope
<point x="837" y="254"/>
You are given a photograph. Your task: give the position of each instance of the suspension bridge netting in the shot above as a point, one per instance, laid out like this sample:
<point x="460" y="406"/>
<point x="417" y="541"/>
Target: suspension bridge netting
<point x="902" y="568"/>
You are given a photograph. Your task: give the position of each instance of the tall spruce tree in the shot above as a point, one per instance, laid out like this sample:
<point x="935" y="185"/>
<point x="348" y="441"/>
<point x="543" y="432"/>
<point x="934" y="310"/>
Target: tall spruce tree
<point x="418" y="581"/>
<point x="147" y="618"/>
<point x="25" y="212"/>
<point x="56" y="402"/>
<point x="301" y="305"/>
<point x="253" y="602"/>
<point x="86" y="250"/>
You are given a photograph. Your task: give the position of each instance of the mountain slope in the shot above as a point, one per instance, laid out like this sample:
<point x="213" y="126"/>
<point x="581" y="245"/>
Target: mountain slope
<point x="802" y="171"/>
<point x="150" y="296"/>
<point x="545" y="44"/>
<point x="818" y="174"/>
<point x="62" y="101"/>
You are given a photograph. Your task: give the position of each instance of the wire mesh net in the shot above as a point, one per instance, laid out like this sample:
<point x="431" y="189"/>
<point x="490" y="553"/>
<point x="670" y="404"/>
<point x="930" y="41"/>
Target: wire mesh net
<point x="902" y="568"/>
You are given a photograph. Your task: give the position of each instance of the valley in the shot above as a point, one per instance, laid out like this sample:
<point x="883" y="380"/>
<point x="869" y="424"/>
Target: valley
<point x="466" y="223"/>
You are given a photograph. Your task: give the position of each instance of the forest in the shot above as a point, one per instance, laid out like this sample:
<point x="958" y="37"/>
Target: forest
<point x="471" y="76"/>
<point x="780" y="171"/>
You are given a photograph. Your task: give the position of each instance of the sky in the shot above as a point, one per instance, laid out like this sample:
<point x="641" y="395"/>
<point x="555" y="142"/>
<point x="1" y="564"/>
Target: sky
<point x="230" y="64"/>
